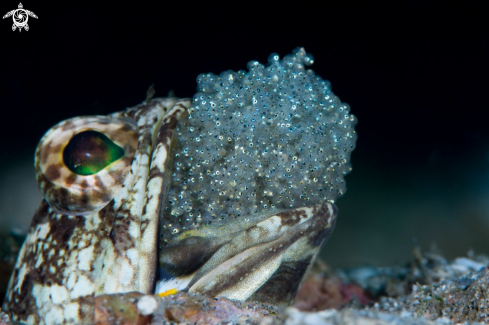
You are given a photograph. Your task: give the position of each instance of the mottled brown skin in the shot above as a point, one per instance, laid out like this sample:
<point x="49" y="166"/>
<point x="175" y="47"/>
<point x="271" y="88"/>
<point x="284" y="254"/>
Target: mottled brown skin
<point x="68" y="259"/>
<point x="64" y="232"/>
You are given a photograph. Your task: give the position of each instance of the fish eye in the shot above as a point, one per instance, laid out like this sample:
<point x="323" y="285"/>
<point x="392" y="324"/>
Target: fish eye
<point x="89" y="152"/>
<point x="81" y="163"/>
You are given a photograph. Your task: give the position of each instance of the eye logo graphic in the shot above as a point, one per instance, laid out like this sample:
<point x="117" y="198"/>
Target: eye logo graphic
<point x="20" y="17"/>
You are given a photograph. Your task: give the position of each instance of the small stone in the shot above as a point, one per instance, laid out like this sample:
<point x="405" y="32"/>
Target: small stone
<point x="147" y="305"/>
<point x="464" y="283"/>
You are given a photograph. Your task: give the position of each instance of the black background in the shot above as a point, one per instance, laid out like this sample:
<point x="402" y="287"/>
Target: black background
<point x="414" y="73"/>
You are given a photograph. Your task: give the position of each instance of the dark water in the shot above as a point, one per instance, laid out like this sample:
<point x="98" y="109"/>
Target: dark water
<point x="414" y="73"/>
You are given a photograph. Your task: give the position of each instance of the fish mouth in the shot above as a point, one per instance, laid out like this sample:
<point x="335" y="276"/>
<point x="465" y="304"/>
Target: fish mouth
<point x="264" y="262"/>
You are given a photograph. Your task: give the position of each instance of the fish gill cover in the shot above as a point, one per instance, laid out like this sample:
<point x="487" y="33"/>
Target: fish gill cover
<point x="256" y="142"/>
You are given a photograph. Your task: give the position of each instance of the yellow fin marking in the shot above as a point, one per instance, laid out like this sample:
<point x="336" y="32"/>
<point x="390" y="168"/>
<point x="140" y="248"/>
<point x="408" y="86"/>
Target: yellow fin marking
<point x="168" y="293"/>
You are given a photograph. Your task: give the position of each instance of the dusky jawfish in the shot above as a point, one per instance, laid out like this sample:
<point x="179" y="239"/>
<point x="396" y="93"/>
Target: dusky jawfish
<point x="229" y="194"/>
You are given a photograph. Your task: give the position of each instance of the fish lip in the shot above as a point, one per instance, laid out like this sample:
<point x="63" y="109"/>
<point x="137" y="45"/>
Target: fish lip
<point x="190" y="262"/>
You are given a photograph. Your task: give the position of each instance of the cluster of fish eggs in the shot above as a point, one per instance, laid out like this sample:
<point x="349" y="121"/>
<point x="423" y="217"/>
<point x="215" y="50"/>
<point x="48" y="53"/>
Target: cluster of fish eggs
<point x="257" y="142"/>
